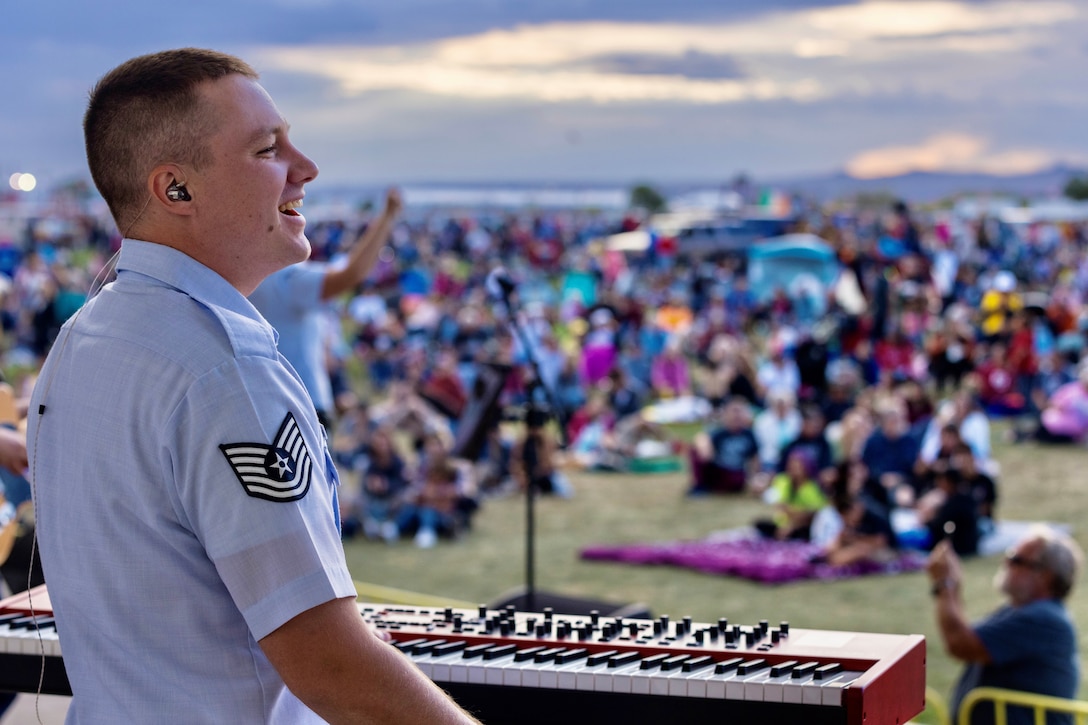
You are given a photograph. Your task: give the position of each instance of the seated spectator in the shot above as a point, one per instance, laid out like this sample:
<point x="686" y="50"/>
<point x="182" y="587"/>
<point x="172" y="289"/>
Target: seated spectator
<point x="384" y="481"/>
<point x="918" y="403"/>
<point x="814" y="443"/>
<point x="590" y="432"/>
<point x="843" y="381"/>
<point x="948" y="510"/>
<point x="894" y="355"/>
<point x="866" y="535"/>
<point x="405" y="411"/>
<point x="433" y="452"/>
<point x="570" y="391"/>
<point x="533" y="458"/>
<point x="948" y="441"/>
<point x="981" y="485"/>
<point x="625" y="396"/>
<point x="890" y="453"/>
<point x="1065" y="416"/>
<point x="848" y="436"/>
<point x="636" y="362"/>
<point x="848" y="484"/>
<point x="971" y="423"/>
<point x="1029" y="643"/>
<point x="723" y="458"/>
<point x="1055" y="370"/>
<point x="669" y="372"/>
<point x="599" y="346"/>
<point x="779" y="371"/>
<point x="796" y="497"/>
<point x="431" y="507"/>
<point x="999" y="383"/>
<point x="775" y="427"/>
<point x="442" y="387"/>
<point x="949" y="346"/>
<point x="730" y="373"/>
<point x="998" y="305"/>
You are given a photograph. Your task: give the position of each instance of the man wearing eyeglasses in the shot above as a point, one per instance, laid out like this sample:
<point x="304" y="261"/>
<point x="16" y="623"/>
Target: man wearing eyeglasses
<point x="1029" y="643"/>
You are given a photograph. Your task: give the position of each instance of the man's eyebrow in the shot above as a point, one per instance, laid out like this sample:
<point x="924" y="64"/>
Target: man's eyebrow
<point x="264" y="133"/>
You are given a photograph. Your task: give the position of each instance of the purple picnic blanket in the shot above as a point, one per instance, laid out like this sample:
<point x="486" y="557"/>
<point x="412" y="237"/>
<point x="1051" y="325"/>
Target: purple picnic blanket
<point x="750" y="557"/>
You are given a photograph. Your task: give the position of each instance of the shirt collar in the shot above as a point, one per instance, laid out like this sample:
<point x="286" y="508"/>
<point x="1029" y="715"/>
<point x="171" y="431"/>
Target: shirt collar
<point x="180" y="271"/>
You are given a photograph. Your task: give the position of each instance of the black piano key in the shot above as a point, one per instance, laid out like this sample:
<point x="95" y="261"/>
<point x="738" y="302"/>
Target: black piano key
<point x="698" y="663"/>
<point x="426" y="647"/>
<point x="37" y="621"/>
<point x="783" y="668"/>
<point x="522" y="655"/>
<point x="407" y="645"/>
<point x="527" y="654"/>
<point x="448" y="648"/>
<point x="499" y="651"/>
<point x="674" y="663"/>
<point x="623" y="659"/>
<point x="548" y="654"/>
<point x="653" y="661"/>
<point x="747" y="668"/>
<point x="571" y="655"/>
<point x="726" y="665"/>
<point x="599" y="658"/>
<point x="826" y="670"/>
<point x="476" y="650"/>
<point x="806" y="668"/>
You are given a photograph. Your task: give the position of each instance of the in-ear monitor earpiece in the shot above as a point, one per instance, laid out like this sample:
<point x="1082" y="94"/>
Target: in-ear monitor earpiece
<point x="177" y="192"/>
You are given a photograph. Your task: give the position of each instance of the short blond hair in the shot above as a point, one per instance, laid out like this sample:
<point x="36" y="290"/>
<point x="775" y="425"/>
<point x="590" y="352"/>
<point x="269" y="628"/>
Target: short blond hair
<point x="145" y="112"/>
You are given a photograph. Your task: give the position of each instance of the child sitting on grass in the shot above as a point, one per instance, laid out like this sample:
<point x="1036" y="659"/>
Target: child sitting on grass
<point x="432" y="506"/>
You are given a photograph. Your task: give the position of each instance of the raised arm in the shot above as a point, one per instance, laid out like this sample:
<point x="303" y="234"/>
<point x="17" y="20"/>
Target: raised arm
<point x="960" y="639"/>
<point x="364" y="253"/>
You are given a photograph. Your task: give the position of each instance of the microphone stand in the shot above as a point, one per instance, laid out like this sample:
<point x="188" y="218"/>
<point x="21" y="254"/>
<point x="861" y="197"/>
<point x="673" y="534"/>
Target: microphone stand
<point x="553" y="410"/>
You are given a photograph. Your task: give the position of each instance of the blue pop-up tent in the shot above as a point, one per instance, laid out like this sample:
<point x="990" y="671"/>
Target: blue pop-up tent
<point x="802" y="265"/>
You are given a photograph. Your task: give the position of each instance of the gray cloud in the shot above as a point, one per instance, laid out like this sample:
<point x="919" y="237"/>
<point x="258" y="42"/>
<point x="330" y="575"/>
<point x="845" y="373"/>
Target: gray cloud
<point x="692" y="64"/>
<point x="51" y="58"/>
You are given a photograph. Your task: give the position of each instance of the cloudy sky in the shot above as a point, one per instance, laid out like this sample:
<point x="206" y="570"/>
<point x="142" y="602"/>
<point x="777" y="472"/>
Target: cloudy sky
<point x="599" y="91"/>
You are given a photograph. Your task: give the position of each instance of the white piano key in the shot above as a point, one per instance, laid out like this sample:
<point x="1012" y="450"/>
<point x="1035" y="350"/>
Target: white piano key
<point x="736" y="688"/>
<point x="717" y="688"/>
<point x="522" y="672"/>
<point x="548" y="678"/>
<point x="677" y="683"/>
<point x="832" y="691"/>
<point x="32" y="644"/>
<point x="777" y="676"/>
<point x="533" y="676"/>
<point x="595" y="665"/>
<point x="621" y="678"/>
<point x="567" y="675"/>
<point x="811" y="692"/>
<point x="696" y="684"/>
<point x="432" y="666"/>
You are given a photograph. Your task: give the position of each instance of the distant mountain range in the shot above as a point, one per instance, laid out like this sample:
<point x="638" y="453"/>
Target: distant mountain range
<point x="923" y="187"/>
<point x="914" y="188"/>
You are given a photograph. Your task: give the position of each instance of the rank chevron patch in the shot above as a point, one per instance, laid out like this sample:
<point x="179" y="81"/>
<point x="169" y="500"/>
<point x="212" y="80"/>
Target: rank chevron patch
<point x="277" y="472"/>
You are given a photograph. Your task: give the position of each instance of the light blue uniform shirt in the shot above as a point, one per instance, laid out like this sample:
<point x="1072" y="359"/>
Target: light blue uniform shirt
<point x="290" y="300"/>
<point x="185" y="499"/>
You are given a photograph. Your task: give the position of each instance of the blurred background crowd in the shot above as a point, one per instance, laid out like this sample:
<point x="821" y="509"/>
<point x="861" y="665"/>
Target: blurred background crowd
<point x="849" y="378"/>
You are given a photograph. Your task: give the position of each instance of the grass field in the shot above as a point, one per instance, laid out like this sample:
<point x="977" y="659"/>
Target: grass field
<point x="1036" y="483"/>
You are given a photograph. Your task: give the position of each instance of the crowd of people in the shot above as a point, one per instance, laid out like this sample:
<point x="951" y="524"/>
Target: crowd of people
<point x="952" y="323"/>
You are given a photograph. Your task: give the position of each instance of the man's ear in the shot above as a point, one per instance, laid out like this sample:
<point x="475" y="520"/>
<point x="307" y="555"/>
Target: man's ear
<point x="167" y="184"/>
